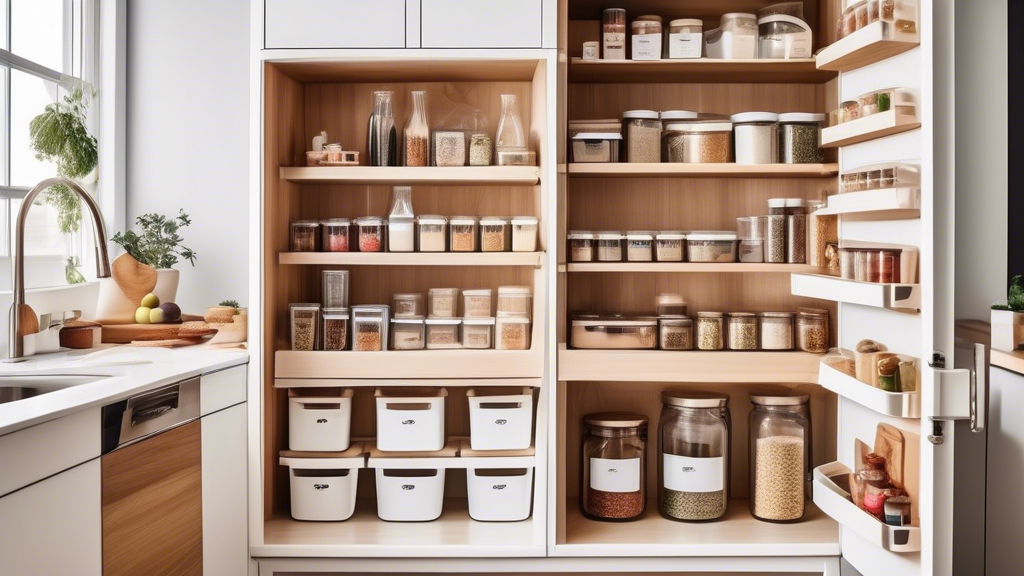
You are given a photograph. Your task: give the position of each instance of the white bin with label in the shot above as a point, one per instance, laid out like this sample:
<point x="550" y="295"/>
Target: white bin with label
<point x="500" y="419"/>
<point x="410" y="419"/>
<point x="410" y="495"/>
<point x="319" y="423"/>
<point x="499" y="494"/>
<point x="323" y="489"/>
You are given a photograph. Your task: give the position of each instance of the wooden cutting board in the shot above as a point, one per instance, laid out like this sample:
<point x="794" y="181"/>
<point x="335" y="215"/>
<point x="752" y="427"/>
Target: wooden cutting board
<point x="114" y="333"/>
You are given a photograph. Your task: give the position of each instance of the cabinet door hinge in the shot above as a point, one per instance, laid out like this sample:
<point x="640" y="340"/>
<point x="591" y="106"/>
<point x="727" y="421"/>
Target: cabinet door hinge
<point x="960" y="394"/>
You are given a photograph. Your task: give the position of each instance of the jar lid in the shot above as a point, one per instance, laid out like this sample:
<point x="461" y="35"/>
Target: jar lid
<point x="670" y="235"/>
<point x="615" y="420"/>
<point x="597" y="136"/>
<point x="776" y="314"/>
<point x="580" y="235"/>
<point x="513" y="290"/>
<point x="701" y="126"/>
<point x="443" y="321"/>
<point x="443" y="292"/>
<point x="679" y="114"/>
<point x="686" y="399"/>
<point x="648" y="18"/>
<point x="687" y="22"/>
<point x="336" y="222"/>
<point x="779" y="400"/>
<point x="643" y="114"/>
<point x="801" y="117"/>
<point x="608" y="235"/>
<point x="304" y="306"/>
<point x="478" y="292"/>
<point x="431" y="219"/>
<point x="306" y="223"/>
<point x="783" y="18"/>
<point x="410" y="296"/>
<point x="710" y="314"/>
<point x="640" y="235"/>
<point x="369" y="221"/>
<point x="776" y="202"/>
<point x="812" y="312"/>
<point x="641" y="26"/>
<point x="614" y="10"/>
<point x="463" y="220"/>
<point x="488" y="321"/>
<point x="493" y="221"/>
<point x="335" y="313"/>
<point x="742" y="315"/>
<point x="711" y="235"/>
<point x="745" y="117"/>
<point x="669" y="299"/>
<point x="520" y="220"/>
<point x="739" y="16"/>
<point x="409" y="320"/>
<point x="675" y="321"/>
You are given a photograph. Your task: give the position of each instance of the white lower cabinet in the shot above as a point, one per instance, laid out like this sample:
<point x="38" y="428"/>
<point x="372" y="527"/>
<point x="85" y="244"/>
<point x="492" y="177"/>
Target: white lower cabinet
<point x="54" y="527"/>
<point x="225" y="497"/>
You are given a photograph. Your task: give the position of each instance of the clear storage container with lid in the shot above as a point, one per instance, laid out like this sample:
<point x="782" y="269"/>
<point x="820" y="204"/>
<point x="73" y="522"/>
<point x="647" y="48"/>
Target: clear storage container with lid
<point x="685" y="38"/>
<point x="647" y="34"/>
<point x="711" y="246"/>
<point x="614" y="476"/>
<point x="495" y="234"/>
<point x="642" y="129"/>
<point x="675" y="333"/>
<point x="515" y="301"/>
<point x="334" y="329"/>
<point x="775" y="232"/>
<point x="408" y="305"/>
<point x="433" y="231"/>
<point x="670" y="305"/>
<point x="408" y="334"/>
<point x="335" y="234"/>
<point x="463" y="231"/>
<point x="370" y="328"/>
<point x="710" y="330"/>
<point x="812" y="331"/>
<point x="511" y="333"/>
<point x="698" y="142"/>
<point x="669" y="245"/>
<point x="589" y="147"/>
<point x="734" y="39"/>
<point x="776" y="330"/>
<point x="639" y="246"/>
<point x="335" y="288"/>
<point x="401" y="221"/>
<point x="750" y="227"/>
<point x="796" y="231"/>
<point x="613" y="34"/>
<point x="524" y="233"/>
<point x="781" y="36"/>
<point x="476" y="303"/>
<point x="371" y="234"/>
<point x="751" y="251"/>
<point x="614" y="333"/>
<point x="780" y="452"/>
<point x="305" y="323"/>
<point x="693" y="470"/>
<point x="442" y="302"/>
<point x="477" y="333"/>
<point x="757" y="137"/>
<point x="742" y="331"/>
<point x="581" y="246"/>
<point x="443" y="333"/>
<point x="303" y="235"/>
<point x="800" y="138"/>
<point x="609" y="246"/>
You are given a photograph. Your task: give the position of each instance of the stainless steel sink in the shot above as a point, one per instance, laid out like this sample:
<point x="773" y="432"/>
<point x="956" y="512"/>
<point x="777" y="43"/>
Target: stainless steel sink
<point x="13" y="388"/>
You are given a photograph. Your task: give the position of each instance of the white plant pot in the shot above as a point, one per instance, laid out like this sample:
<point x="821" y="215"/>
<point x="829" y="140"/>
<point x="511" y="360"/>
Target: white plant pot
<point x="1007" y="330"/>
<point x="166" y="288"/>
<point x="112" y="304"/>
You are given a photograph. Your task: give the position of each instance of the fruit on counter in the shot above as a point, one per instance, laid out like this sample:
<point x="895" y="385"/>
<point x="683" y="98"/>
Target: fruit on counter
<point x="156" y="316"/>
<point x="150" y="301"/>
<point x="172" y="312"/>
<point x="142" y="315"/>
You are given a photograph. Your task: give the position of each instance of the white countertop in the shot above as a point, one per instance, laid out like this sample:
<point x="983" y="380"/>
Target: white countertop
<point x="127" y="371"/>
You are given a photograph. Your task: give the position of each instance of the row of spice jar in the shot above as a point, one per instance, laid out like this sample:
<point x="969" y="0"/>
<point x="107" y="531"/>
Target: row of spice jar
<point x="880" y="177"/>
<point x="899" y="99"/>
<point x="878" y="265"/>
<point x="694" y="444"/>
<point x="648" y="246"/>
<point x="860" y="14"/>
<point x="425" y="233"/>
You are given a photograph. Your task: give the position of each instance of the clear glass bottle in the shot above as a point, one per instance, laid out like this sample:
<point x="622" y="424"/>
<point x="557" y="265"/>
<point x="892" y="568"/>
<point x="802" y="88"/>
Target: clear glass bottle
<point x="401" y="226"/>
<point x="614" y="476"/>
<point x="693" y="470"/>
<point x="780" y="449"/>
<point x="510" y="135"/>
<point x="382" y="135"/>
<point x="417" y="132"/>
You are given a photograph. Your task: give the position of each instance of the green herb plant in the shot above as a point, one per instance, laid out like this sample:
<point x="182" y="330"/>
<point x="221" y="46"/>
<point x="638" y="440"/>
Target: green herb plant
<point x="229" y="303"/>
<point x="1014" y="296"/>
<point x="158" y="244"/>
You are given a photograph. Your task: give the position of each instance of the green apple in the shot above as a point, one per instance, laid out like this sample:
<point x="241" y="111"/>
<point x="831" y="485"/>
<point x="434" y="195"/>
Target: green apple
<point x="150" y="301"/>
<point x="142" y="315"/>
<point x="156" y="316"/>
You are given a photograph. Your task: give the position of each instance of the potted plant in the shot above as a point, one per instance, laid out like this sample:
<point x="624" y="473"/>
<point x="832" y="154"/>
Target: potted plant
<point x="157" y="244"/>
<point x="1008" y="318"/>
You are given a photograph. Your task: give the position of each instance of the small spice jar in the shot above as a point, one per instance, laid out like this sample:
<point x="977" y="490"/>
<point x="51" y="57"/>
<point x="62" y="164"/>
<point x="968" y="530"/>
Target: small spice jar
<point x="776" y="331"/>
<point x="812" y="332"/>
<point x="512" y="333"/>
<point x="756" y="137"/>
<point x="477" y="333"/>
<point x="335" y="329"/>
<point x="463" y="233"/>
<point x="515" y="301"/>
<point x="669" y="245"/>
<point x="442" y="302"/>
<point x="432" y="232"/>
<point x="639" y="246"/>
<point x="711" y="247"/>
<point x="800" y="138"/>
<point x="742" y="331"/>
<point x="495" y="234"/>
<point x="693" y="471"/>
<point x="614" y="462"/>
<point x="780" y="448"/>
<point x="609" y="246"/>
<point x="443" y="333"/>
<point x="710" y="330"/>
<point x="304" y="235"/>
<point x="675" y="333"/>
<point x="698" y="142"/>
<point x="334" y="233"/>
<point x="480" y="150"/>
<point x="524" y="233"/>
<point x="889" y="266"/>
<point x="796" y="231"/>
<point x="408" y="305"/>
<point x="613" y="34"/>
<point x="408" y="334"/>
<point x="670" y="305"/>
<point x="642" y="129"/>
<point x="371" y="234"/>
<point x="581" y="246"/>
<point x="305" y="320"/>
<point x="847" y="263"/>
<point x="476" y="303"/>
<point x="370" y="328"/>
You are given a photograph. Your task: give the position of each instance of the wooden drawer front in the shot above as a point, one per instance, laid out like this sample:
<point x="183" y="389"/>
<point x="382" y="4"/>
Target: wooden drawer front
<point x="476" y="24"/>
<point x="153" y="506"/>
<point x="29" y="455"/>
<point x="334" y="24"/>
<point x="219" y="390"/>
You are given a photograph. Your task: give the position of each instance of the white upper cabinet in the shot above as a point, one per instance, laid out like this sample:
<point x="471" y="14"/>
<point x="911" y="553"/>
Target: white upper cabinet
<point x="481" y="24"/>
<point x="335" y="23"/>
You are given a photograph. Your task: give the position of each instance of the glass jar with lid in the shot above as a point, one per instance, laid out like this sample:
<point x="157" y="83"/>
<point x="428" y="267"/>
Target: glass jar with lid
<point x="780" y="449"/>
<point x="756" y="137"/>
<point x="642" y="129"/>
<point x="796" y="231"/>
<point x="639" y="246"/>
<point x="609" y="246"/>
<point x="710" y="330"/>
<point x="371" y="234"/>
<point x="693" y="471"/>
<point x="675" y="333"/>
<point x="647" y="34"/>
<point x="800" y="138"/>
<point x="613" y="34"/>
<point x="335" y="234"/>
<point x="303" y="235"/>
<point x="776" y="330"/>
<point x="581" y="246"/>
<point x="614" y="462"/>
<point x="742" y="331"/>
<point x="812" y="332"/>
<point x="697" y="141"/>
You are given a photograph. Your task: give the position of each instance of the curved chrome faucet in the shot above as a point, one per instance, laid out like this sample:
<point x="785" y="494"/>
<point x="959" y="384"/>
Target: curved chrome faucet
<point x="15" y="346"/>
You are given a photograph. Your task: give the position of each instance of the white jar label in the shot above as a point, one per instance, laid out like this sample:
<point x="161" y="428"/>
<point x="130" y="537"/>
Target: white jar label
<point x="685" y="474"/>
<point x="615" y="475"/>
<point x="614" y="46"/>
<point x="687" y="45"/>
<point x="647" y="47"/>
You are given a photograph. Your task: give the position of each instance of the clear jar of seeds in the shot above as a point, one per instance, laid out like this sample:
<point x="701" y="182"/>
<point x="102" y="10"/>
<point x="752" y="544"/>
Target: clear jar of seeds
<point x="335" y="234"/>
<point x="480" y="150"/>
<point x="495" y="234"/>
<point x="775" y="239"/>
<point x="675" y="333"/>
<point x="371" y="234"/>
<point x="710" y="330"/>
<point x="408" y="305"/>
<point x="442" y="302"/>
<point x="776" y="330"/>
<point x="581" y="246"/>
<point x="800" y="138"/>
<point x="449" y="148"/>
<point x="780" y="448"/>
<point x="524" y="233"/>
<point x="812" y="331"/>
<point x="693" y="471"/>
<point x="698" y="142"/>
<point x="305" y="320"/>
<point x="614" y="463"/>
<point x="408" y="334"/>
<point x="304" y="235"/>
<point x="370" y="328"/>
<point x="639" y="246"/>
<point x="433" y="231"/>
<point x="756" y="137"/>
<point x="463" y="233"/>
<point x="609" y="246"/>
<point x="669" y="246"/>
<point x="334" y="332"/>
<point x="742" y="331"/>
<point x="512" y="333"/>
<point x="796" y="231"/>
<point x="477" y="333"/>
<point x="642" y="129"/>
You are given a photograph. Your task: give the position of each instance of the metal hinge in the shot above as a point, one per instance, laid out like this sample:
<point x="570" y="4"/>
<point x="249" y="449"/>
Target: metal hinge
<point x="960" y="393"/>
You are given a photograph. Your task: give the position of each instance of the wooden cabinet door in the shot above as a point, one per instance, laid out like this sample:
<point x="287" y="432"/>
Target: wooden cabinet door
<point x="153" y="506"/>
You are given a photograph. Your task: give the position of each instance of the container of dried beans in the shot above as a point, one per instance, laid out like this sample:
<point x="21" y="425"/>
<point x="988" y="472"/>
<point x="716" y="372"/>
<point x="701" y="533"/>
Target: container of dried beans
<point x="512" y="333"/>
<point x="675" y="333"/>
<point x="495" y="234"/>
<point x="335" y="234"/>
<point x="370" y="328"/>
<point x="614" y="477"/>
<point x="642" y="129"/>
<point x="693" y="471"/>
<point x="305" y="323"/>
<point x="742" y="331"/>
<point x="710" y="330"/>
<point x="304" y="235"/>
<point x="334" y="333"/>
<point x="371" y="234"/>
<point x="463" y="232"/>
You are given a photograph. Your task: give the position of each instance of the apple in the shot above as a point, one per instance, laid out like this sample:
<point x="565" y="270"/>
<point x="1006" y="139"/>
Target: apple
<point x="156" y="316"/>
<point x="142" y="315"/>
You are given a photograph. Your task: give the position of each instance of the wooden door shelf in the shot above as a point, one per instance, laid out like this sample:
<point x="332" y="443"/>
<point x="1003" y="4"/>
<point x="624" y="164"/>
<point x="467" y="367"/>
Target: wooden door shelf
<point x="903" y="297"/>
<point x="896" y="404"/>
<point x="792" y="71"/>
<point x="723" y="170"/>
<point x="500" y="175"/>
<point x="534" y="259"/>
<point x="885" y="204"/>
<point x="868" y="128"/>
<point x="411" y="364"/>
<point x="695" y="267"/>
<point x="874" y="43"/>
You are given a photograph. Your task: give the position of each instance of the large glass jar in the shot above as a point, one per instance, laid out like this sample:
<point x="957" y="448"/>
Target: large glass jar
<point x="812" y="333"/>
<point x="614" y="476"/>
<point x="698" y="142"/>
<point x="756" y="137"/>
<point x="693" y="471"/>
<point x="780" y="448"/>
<point x="642" y="129"/>
<point x="800" y="138"/>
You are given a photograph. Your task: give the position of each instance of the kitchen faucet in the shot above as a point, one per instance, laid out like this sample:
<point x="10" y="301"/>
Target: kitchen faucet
<point x="15" y="346"/>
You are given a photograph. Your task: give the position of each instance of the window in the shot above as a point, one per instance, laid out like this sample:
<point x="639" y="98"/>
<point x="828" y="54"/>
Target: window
<point x="48" y="49"/>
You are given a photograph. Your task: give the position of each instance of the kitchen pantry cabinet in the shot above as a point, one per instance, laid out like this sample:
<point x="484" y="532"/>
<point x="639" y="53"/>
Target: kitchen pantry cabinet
<point x="334" y="24"/>
<point x="475" y="24"/>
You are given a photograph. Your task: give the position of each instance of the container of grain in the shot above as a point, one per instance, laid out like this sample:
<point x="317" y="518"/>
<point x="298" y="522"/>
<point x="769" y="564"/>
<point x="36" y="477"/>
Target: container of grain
<point x="495" y="234"/>
<point x="614" y="466"/>
<point x="642" y="129"/>
<point x="305" y="322"/>
<point x="581" y="246"/>
<point x="796" y="231"/>
<point x="742" y="331"/>
<point x="756" y="137"/>
<point x="675" y="333"/>
<point x="515" y="301"/>
<point x="609" y="246"/>
<point x="524" y="233"/>
<point x="780" y="447"/>
<point x="433" y="231"/>
<point x="710" y="330"/>
<point x="812" y="332"/>
<point x="477" y="333"/>
<point x="407" y="305"/>
<point x="639" y="246"/>
<point x="476" y="303"/>
<point x="698" y="142"/>
<point x="669" y="245"/>
<point x="334" y="333"/>
<point x="711" y="246"/>
<point x="443" y="333"/>
<point x="775" y="239"/>
<point x="800" y="138"/>
<point x="407" y="334"/>
<point x="776" y="330"/>
<point x="693" y="470"/>
<point x="442" y="302"/>
<point x="463" y="232"/>
<point x="370" y="326"/>
<point x="511" y="333"/>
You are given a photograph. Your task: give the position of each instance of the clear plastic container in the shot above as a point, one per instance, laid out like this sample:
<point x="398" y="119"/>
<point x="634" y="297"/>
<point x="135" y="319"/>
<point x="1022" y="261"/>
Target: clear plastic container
<point x="800" y="138"/>
<point x="463" y="231"/>
<point x="793" y="8"/>
<point x="590" y="147"/>
<point x="796" y="231"/>
<point x="442" y="302"/>
<point x="847" y="263"/>
<point x="902" y="100"/>
<point x="303" y="235"/>
<point x="371" y="234"/>
<point x="710" y="330"/>
<point x="776" y="330"/>
<point x="646" y="37"/>
<point x="685" y="38"/>
<point x="698" y="142"/>
<point x="370" y="328"/>
<point x="675" y="333"/>
<point x="742" y="331"/>
<point x="780" y="448"/>
<point x="781" y="36"/>
<point x="822" y="231"/>
<point x="443" y="333"/>
<point x="614" y="333"/>
<point x="609" y="246"/>
<point x="432" y="233"/>
<point x="335" y="288"/>
<point x="334" y="234"/>
<point x="477" y="333"/>
<point x="524" y="233"/>
<point x="515" y="301"/>
<point x="495" y="234"/>
<point x="305" y="323"/>
<point x="417" y="132"/>
<point x="669" y="246"/>
<point x="812" y="331"/>
<point x="401" y="221"/>
<point x="670" y="305"/>
<point x="751" y="251"/>
<point x="476" y="303"/>
<point x="510" y="135"/>
<point x="408" y="334"/>
<point x="775" y="239"/>
<point x="581" y="246"/>
<point x="614" y="466"/>
<point x="334" y="329"/>
<point x="449" y="148"/>
<point x="408" y="305"/>
<point x="711" y="247"/>
<point x="511" y="333"/>
<point x="600" y="126"/>
<point x="734" y="39"/>
<point x="750" y="227"/>
<point x="639" y="246"/>
<point x="756" y="137"/>
<point x="642" y="129"/>
<point x="693" y="470"/>
<point x="613" y="34"/>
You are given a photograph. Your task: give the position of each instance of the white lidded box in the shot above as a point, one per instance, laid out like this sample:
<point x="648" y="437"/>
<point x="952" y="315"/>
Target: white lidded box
<point x="500" y="418"/>
<point x="499" y="494"/>
<point x="410" y="495"/>
<point x="323" y="489"/>
<point x="410" y="419"/>
<point x="319" y="420"/>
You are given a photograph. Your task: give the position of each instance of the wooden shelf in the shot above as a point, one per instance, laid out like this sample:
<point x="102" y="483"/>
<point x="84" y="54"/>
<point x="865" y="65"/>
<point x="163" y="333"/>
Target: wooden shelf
<point x="534" y="259"/>
<point x="836" y="503"/>
<point x="705" y="70"/>
<point x="868" y="128"/>
<point x="903" y="297"/>
<point x="875" y="43"/>
<point x="687" y="366"/>
<point x="690" y="267"/>
<point x="738" y="534"/>
<point x="897" y="404"/>
<point x="499" y="175"/>
<point x="680" y="170"/>
<point x="1013" y="361"/>
<point x="886" y="204"/>
<point x="412" y="364"/>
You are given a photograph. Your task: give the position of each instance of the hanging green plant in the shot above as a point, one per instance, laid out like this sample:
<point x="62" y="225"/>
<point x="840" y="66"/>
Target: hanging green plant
<point x="59" y="135"/>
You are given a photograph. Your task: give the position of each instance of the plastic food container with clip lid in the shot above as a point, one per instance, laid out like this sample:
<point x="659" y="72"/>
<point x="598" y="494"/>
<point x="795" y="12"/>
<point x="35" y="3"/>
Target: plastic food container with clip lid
<point x="408" y="334"/>
<point x="433" y="231"/>
<point x="495" y="234"/>
<point x="711" y="246"/>
<point x="408" y="305"/>
<point x="614" y="333"/>
<point x="734" y="39"/>
<point x="334" y="329"/>
<point x="639" y="246"/>
<point x="515" y="301"/>
<point x="581" y="246"/>
<point x="476" y="303"/>
<point x="524" y="233"/>
<point x="675" y="333"/>
<point x="443" y="333"/>
<point x="477" y="333"/>
<point x="305" y="323"/>
<point x="609" y="246"/>
<point x="669" y="245"/>
<point x="590" y="147"/>
<point x="781" y="36"/>
<point x="442" y="302"/>
<point x="463" y="232"/>
<point x="511" y="333"/>
<point x="335" y="288"/>
<point x="370" y="325"/>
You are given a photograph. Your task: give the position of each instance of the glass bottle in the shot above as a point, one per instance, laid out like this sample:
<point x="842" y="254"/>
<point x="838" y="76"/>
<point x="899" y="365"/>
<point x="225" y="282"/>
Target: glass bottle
<point x="401" y="233"/>
<point x="510" y="135"/>
<point x="382" y="134"/>
<point x="417" y="134"/>
<point x="614" y="466"/>
<point x="780" y="448"/>
<point x="693" y="471"/>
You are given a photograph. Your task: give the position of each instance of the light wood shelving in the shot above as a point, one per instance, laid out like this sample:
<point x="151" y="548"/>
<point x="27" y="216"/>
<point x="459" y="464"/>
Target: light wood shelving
<point x="794" y="71"/>
<point x="678" y="170"/>
<point x="878" y="41"/>
<point x="868" y="128"/>
<point x="468" y="175"/>
<point x="896" y="404"/>
<point x="904" y="297"/>
<point x="885" y="204"/>
<point x="534" y="259"/>
<point x="690" y="267"/>
<point x="411" y="364"/>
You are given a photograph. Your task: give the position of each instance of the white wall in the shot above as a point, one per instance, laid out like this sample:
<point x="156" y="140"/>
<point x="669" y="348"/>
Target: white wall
<point x="188" y="133"/>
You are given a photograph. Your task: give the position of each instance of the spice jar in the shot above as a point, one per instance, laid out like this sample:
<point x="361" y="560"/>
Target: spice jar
<point x="442" y="302"/>
<point x="698" y="142"/>
<point x="889" y="266"/>
<point x="524" y="233"/>
<point x="371" y="234"/>
<point x="670" y="305"/>
<point x="897" y="511"/>
<point x="335" y="329"/>
<point x="780" y="438"/>
<point x="847" y="263"/>
<point x="822" y="230"/>
<point x="642" y="129"/>
<point x="742" y="331"/>
<point x="581" y="246"/>
<point x="613" y="29"/>
<point x="477" y="333"/>
<point x="334" y="234"/>
<point x="776" y="330"/>
<point x="408" y="305"/>
<point x="710" y="330"/>
<point x="646" y="38"/>
<point x="675" y="333"/>
<point x="515" y="301"/>
<point x="303" y="235"/>
<point x="639" y="246"/>
<point x="335" y="288"/>
<point x="433" y="231"/>
<point x="512" y="333"/>
<point x="756" y="137"/>
<point x="668" y="246"/>
<point x="305" y="320"/>
<point x="800" y="138"/>
<point x="463" y="231"/>
<point x="591" y="50"/>
<point x="370" y="328"/>
<point x="711" y="247"/>
<point x="443" y="333"/>
<point x="614" y="476"/>
<point x="495" y="234"/>
<point x="812" y="333"/>
<point x="407" y="334"/>
<point x="693" y="471"/>
<point x="480" y="150"/>
<point x="685" y="38"/>
<point x="796" y="231"/>
<point x="609" y="246"/>
<point x="775" y="239"/>
<point x="476" y="303"/>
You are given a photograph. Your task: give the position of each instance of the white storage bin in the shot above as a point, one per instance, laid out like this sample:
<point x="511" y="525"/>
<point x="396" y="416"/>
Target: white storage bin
<point x="410" y="495"/>
<point x="319" y="423"/>
<point x="499" y="495"/>
<point x="410" y="420"/>
<point x="323" y="489"/>
<point x="500" y="419"/>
